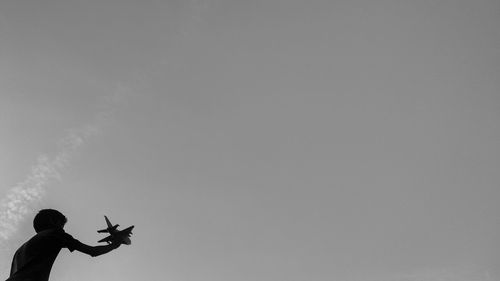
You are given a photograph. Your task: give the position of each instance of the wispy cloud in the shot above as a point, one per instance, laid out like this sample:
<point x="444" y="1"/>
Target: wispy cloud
<point x="21" y="199"/>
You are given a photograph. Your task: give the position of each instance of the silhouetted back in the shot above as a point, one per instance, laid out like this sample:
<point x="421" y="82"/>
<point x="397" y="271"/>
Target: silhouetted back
<point x="34" y="259"/>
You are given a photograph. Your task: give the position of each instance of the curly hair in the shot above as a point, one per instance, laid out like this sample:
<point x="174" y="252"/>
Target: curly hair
<point x="47" y="219"/>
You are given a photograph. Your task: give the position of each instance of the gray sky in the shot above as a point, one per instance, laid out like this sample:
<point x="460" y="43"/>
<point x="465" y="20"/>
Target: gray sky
<point x="256" y="140"/>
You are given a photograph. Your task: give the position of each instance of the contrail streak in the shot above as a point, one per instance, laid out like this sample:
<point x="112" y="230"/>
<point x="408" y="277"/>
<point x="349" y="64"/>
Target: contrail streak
<point x="21" y="199"/>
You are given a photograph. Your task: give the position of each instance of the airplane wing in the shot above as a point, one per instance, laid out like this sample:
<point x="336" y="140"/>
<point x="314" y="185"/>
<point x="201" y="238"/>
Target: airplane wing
<point x="127" y="230"/>
<point x="106" y="239"/>
<point x="103" y="231"/>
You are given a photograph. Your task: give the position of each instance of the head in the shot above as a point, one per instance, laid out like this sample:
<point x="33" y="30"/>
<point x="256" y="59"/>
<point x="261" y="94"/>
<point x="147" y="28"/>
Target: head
<point x="48" y="219"/>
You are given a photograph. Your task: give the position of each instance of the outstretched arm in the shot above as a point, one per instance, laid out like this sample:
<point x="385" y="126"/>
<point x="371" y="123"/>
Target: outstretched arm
<point x="95" y="251"/>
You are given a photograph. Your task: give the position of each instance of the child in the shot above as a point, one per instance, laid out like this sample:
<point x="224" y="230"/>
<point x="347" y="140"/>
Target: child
<point x="34" y="259"/>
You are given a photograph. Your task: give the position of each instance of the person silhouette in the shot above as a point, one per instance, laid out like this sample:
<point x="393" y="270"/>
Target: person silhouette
<point x="34" y="259"/>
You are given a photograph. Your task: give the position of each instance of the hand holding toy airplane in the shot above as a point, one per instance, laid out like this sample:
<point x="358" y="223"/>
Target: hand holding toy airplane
<point x="116" y="236"/>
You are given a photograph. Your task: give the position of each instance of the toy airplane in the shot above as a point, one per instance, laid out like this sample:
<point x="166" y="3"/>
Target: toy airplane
<point x="121" y="236"/>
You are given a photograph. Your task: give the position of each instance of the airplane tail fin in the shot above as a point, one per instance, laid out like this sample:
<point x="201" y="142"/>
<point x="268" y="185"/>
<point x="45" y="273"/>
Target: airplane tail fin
<point x="110" y="227"/>
<point x="108" y="222"/>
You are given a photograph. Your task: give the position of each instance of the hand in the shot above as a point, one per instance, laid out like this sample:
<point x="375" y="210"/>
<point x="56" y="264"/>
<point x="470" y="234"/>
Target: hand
<point x="115" y="244"/>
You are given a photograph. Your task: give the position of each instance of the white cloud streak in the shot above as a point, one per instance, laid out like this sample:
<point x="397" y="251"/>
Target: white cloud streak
<point x="22" y="199"/>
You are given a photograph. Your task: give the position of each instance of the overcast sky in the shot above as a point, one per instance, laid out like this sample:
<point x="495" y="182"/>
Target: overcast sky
<point x="256" y="140"/>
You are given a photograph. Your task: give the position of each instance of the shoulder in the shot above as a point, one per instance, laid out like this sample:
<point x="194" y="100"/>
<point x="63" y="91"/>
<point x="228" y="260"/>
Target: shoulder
<point x="56" y="235"/>
<point x="66" y="240"/>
